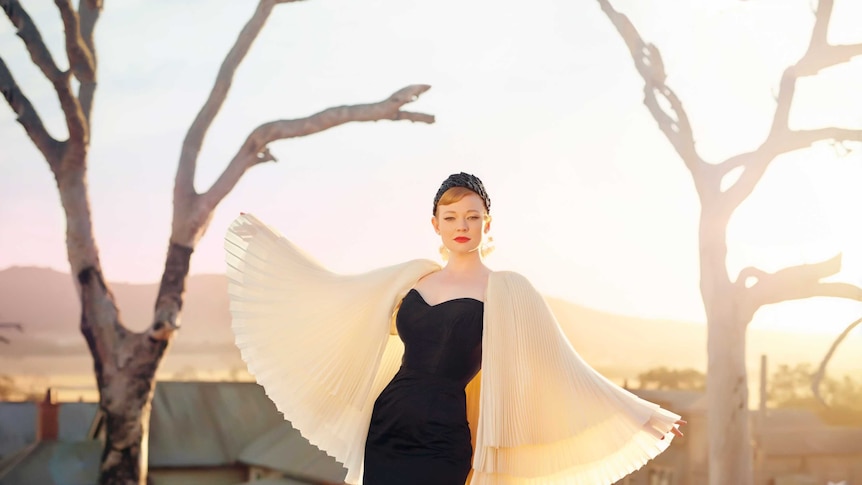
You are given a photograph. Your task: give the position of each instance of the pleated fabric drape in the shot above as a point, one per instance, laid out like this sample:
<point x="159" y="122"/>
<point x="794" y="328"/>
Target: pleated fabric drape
<point x="321" y="345"/>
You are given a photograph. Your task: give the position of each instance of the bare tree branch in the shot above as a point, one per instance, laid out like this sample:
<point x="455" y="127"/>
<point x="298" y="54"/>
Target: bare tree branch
<point x="821" y="53"/>
<point x="781" y="139"/>
<point x="791" y="141"/>
<point x="192" y="212"/>
<point x="675" y="125"/>
<point x="254" y="151"/>
<point x="798" y="139"/>
<point x="39" y="54"/>
<point x="784" y="101"/>
<point x="88" y="14"/>
<point x="821" y="371"/>
<point x="77" y="124"/>
<point x="649" y="64"/>
<point x="185" y="178"/>
<point x="827" y="56"/>
<point x="27" y="31"/>
<point x="28" y="118"/>
<point x="822" y="16"/>
<point x="793" y="283"/>
<point x="756" y="163"/>
<point x="80" y="59"/>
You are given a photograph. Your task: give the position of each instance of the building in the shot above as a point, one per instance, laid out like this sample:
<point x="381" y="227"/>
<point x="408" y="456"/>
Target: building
<point x="230" y="433"/>
<point x="200" y="432"/>
<point x="19" y="422"/>
<point x="792" y="447"/>
<point x="46" y="442"/>
<point x="811" y="455"/>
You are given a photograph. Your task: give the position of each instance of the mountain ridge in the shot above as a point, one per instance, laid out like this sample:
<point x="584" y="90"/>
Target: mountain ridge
<point x="622" y="345"/>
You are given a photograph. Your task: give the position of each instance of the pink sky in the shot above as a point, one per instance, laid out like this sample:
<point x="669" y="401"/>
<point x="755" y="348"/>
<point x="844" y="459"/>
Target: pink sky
<point x="538" y="99"/>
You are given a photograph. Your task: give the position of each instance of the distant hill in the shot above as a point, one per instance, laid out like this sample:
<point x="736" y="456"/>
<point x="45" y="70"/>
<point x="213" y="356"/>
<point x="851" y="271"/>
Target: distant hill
<point x="45" y="303"/>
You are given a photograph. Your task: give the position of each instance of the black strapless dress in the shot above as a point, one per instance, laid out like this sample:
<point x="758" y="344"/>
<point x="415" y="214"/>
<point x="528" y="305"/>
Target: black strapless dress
<point x="419" y="433"/>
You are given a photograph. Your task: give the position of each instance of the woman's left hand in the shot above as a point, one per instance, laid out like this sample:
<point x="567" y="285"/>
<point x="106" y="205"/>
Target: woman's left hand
<point x="675" y="430"/>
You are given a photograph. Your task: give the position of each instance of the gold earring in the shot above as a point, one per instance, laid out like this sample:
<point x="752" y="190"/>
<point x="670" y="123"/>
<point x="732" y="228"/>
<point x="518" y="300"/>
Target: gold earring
<point x="487" y="246"/>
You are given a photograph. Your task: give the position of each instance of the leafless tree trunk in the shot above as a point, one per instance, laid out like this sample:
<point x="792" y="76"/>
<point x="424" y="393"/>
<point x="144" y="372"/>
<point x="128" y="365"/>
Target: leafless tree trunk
<point x="125" y="361"/>
<point x="731" y="303"/>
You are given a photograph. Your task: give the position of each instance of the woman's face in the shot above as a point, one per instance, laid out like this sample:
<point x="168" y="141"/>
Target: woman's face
<point x="462" y="225"/>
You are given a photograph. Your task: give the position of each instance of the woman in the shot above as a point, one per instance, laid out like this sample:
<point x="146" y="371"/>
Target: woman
<point x="381" y="369"/>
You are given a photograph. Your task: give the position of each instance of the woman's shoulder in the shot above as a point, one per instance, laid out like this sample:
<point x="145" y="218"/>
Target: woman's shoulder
<point x="507" y="275"/>
<point x="510" y="281"/>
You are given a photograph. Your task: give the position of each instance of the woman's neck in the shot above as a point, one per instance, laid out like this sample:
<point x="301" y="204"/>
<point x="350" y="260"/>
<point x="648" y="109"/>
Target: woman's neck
<point x="464" y="263"/>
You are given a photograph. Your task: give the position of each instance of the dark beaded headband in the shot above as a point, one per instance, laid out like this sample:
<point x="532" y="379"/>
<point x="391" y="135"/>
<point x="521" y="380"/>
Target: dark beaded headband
<point x="467" y="181"/>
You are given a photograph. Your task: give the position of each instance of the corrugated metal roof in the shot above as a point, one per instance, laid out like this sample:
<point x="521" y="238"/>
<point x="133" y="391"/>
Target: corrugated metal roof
<point x="17" y="426"/>
<point x="285" y="450"/>
<point x="207" y="423"/>
<point x="75" y="419"/>
<point x="53" y="463"/>
<point x="193" y="424"/>
<point x="18" y="423"/>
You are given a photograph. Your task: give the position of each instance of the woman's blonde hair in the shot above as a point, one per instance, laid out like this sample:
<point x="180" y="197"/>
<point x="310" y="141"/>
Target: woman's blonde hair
<point x="454" y="195"/>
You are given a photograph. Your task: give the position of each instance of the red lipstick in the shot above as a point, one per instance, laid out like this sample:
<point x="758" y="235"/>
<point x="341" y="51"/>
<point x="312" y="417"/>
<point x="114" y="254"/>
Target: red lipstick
<point x="462" y="239"/>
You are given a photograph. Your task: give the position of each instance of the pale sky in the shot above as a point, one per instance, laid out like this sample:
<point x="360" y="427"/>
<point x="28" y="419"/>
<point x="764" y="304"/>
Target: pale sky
<point x="539" y="99"/>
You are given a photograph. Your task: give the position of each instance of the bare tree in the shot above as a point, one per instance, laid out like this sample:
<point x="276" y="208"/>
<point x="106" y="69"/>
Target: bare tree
<point x="125" y="361"/>
<point x="730" y="303"/>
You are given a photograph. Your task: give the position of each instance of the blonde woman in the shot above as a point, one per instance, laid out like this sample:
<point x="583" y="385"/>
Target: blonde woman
<point x="419" y="374"/>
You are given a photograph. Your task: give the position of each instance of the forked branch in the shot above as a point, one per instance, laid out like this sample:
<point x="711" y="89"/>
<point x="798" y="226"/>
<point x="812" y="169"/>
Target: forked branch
<point x="41" y="57"/>
<point x="184" y="183"/>
<point x="88" y="14"/>
<point x="192" y="212"/>
<point x="821" y="54"/>
<point x="674" y="123"/>
<point x="781" y="138"/>
<point x="760" y="288"/>
<point x="80" y="58"/>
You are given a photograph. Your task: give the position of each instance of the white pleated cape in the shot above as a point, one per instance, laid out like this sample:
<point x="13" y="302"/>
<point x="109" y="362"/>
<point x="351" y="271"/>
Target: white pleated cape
<point x="322" y="346"/>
